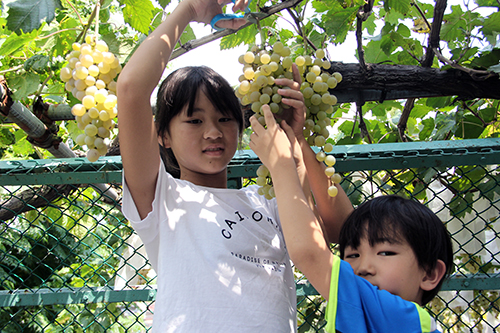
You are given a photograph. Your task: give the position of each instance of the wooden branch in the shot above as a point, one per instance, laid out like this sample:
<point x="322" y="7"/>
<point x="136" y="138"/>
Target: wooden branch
<point x="33" y="198"/>
<point x="363" y="13"/>
<point x="362" y="124"/>
<point x="476" y="74"/>
<point x="265" y="12"/>
<point x="389" y="82"/>
<point x="403" y="120"/>
<point x="434" y="37"/>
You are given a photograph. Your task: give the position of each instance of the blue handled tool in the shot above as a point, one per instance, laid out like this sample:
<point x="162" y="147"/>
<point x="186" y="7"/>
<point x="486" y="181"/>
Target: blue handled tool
<point x="252" y="17"/>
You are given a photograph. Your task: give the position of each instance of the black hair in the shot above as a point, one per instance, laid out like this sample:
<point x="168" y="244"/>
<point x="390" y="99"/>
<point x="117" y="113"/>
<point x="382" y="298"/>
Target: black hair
<point x="393" y="218"/>
<point x="179" y="89"/>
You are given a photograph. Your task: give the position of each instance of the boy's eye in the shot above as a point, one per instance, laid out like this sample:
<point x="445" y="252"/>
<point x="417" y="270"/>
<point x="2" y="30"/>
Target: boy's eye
<point x="387" y="253"/>
<point x="223" y="120"/>
<point x="351" y="255"/>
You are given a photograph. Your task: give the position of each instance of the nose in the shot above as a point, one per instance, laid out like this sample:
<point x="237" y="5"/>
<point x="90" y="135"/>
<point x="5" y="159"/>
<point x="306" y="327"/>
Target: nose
<point x="212" y="131"/>
<point x="365" y="266"/>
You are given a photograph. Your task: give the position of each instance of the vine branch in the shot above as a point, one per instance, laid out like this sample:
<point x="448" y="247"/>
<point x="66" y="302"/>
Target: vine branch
<point x="264" y="13"/>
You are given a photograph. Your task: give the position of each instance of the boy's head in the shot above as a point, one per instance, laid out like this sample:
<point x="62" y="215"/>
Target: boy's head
<point x="179" y="91"/>
<point x="383" y="228"/>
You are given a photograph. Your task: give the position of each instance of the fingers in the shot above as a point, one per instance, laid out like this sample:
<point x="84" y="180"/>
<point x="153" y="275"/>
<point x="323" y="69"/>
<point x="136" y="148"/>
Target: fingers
<point x="296" y="74"/>
<point x="269" y="117"/>
<point x="240" y="5"/>
<point x="231" y="24"/>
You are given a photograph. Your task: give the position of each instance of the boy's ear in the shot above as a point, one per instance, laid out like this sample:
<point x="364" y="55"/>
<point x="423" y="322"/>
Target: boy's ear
<point x="433" y="277"/>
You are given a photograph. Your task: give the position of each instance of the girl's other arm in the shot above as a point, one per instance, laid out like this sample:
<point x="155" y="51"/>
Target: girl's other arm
<point x="303" y="233"/>
<point x="332" y="211"/>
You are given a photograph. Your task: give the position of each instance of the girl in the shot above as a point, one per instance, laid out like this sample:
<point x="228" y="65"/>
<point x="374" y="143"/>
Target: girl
<point x="219" y="253"/>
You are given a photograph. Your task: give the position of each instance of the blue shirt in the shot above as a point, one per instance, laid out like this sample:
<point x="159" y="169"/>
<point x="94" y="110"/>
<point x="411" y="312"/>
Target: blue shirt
<point x="355" y="305"/>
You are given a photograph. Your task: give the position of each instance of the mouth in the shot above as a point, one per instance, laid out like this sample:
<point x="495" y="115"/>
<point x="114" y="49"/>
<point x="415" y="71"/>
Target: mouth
<point x="213" y="150"/>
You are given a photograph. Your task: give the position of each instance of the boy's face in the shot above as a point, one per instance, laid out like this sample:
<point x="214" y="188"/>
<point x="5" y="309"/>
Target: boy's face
<point x="389" y="266"/>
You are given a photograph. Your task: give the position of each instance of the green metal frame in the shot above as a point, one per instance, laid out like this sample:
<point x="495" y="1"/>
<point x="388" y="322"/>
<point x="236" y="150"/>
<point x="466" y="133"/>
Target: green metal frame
<point x="244" y="164"/>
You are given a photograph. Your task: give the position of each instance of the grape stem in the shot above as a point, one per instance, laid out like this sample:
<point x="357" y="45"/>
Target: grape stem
<point x="89" y="23"/>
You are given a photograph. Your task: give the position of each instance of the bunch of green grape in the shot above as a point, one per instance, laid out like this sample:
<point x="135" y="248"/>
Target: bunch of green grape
<point x="257" y="87"/>
<point x="90" y="76"/>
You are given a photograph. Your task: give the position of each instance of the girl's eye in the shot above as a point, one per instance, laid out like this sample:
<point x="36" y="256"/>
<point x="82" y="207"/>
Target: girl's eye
<point x="194" y="121"/>
<point x="223" y="120"/>
<point x="387" y="253"/>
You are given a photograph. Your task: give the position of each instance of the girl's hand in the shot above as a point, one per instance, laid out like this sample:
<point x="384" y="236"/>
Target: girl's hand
<point x="205" y="10"/>
<point x="272" y="145"/>
<point x="296" y="115"/>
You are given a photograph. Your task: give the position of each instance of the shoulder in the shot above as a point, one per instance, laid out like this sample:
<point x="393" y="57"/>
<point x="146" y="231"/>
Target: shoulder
<point x="356" y="304"/>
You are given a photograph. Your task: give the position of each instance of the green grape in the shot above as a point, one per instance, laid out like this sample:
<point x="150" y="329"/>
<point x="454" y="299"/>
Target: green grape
<point x="308" y="92"/>
<point x="337" y="76"/>
<point x="278" y="47"/>
<point x="256" y="107"/>
<point x="333" y="191"/>
<point x="276" y="98"/>
<point x="300" y="61"/>
<point x="275" y="108"/>
<point x="320" y="156"/>
<point x="249" y="73"/>
<point x="330" y="160"/>
<point x="320" y="53"/>
<point x="318" y="86"/>
<point x="315" y="99"/>
<point x="265" y="98"/>
<point x="332" y="82"/>
<point x="249" y="57"/>
<point x="319" y="141"/>
<point x="311" y="77"/>
<point x="336" y="178"/>
<point x="287" y="62"/>
<point x="329" y="171"/>
<point x="265" y="58"/>
<point x="254" y="96"/>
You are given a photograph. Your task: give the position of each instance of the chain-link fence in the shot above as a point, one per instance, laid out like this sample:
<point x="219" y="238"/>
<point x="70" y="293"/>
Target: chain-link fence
<point x="70" y="262"/>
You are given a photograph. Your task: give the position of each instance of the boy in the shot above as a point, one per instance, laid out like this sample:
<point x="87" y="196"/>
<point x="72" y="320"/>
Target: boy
<point x="397" y="252"/>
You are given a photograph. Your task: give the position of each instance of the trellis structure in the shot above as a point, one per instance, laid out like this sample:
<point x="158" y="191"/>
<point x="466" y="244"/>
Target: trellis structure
<point x="70" y="262"/>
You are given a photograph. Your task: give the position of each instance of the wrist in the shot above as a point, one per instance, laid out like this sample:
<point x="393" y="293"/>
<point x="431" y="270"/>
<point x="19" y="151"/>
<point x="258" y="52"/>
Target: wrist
<point x="186" y="10"/>
<point x="282" y="167"/>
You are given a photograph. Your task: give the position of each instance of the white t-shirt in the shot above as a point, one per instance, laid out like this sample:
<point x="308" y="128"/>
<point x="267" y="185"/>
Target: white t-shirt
<point x="220" y="258"/>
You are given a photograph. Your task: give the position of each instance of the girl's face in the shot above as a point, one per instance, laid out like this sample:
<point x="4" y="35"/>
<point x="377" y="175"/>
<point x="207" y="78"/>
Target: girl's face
<point x="204" y="143"/>
<point x="389" y="266"/>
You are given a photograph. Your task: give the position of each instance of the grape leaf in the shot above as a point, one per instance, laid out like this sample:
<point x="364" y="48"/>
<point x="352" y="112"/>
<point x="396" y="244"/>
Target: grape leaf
<point x="138" y="13"/>
<point x="27" y="15"/>
<point x="14" y="43"/>
<point x="164" y="3"/>
<point x="24" y="84"/>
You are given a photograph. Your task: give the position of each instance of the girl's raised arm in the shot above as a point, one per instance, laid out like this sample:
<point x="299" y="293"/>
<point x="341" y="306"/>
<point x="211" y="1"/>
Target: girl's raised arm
<point x="138" y="138"/>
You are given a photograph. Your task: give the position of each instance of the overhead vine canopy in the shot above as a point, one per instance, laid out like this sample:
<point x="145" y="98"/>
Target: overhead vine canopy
<point x="426" y="70"/>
